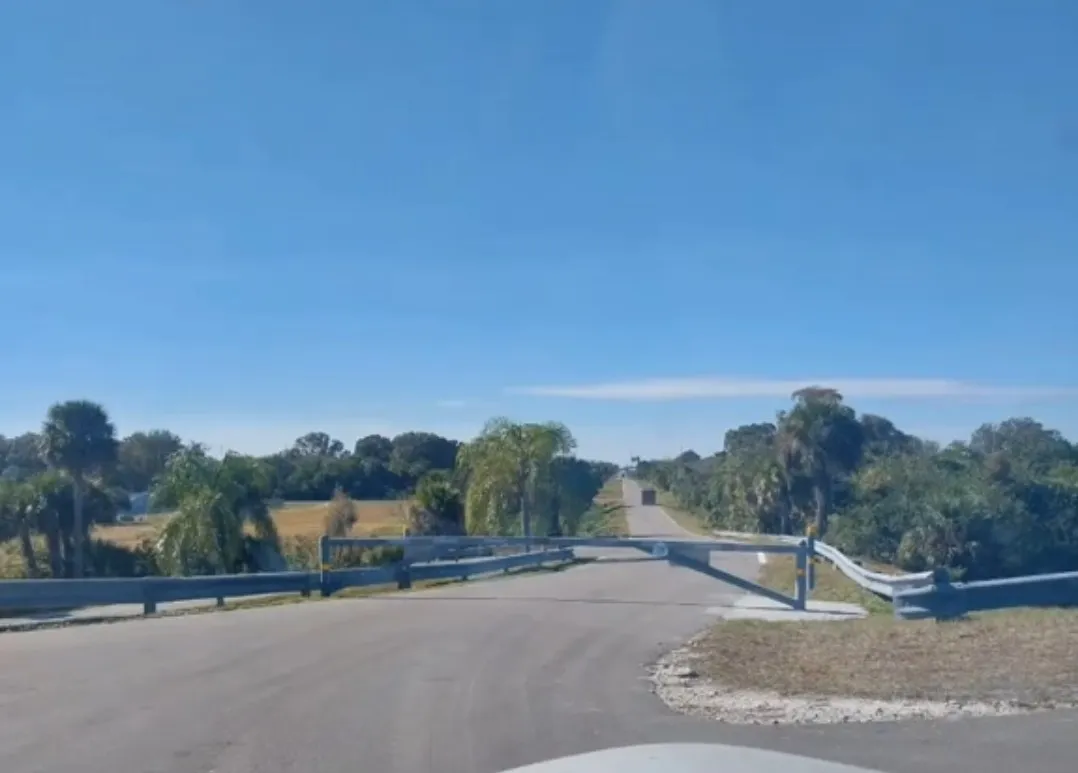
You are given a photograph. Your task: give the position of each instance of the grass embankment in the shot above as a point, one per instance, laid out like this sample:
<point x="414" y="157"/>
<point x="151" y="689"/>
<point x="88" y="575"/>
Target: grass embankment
<point x="606" y="518"/>
<point x="375" y="518"/>
<point x="1025" y="656"/>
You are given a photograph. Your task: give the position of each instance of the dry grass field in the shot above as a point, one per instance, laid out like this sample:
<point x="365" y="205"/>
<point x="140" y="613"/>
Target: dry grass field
<point x="377" y="518"/>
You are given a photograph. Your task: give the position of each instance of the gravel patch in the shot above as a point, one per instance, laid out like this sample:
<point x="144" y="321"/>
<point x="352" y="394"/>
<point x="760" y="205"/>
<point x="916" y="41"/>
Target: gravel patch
<point x="679" y="683"/>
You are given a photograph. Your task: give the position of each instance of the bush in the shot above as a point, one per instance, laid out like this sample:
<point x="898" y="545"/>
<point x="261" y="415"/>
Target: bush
<point x="107" y="559"/>
<point x="439" y="507"/>
<point x="12" y="565"/>
<point x="103" y="559"/>
<point x="342" y="514"/>
<point x="302" y="553"/>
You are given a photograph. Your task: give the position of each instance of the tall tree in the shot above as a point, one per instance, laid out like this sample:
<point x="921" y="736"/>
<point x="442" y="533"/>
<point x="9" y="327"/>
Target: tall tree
<point x="574" y="484"/>
<point x="318" y="444"/>
<point x="78" y="437"/>
<point x="20" y="456"/>
<point x="376" y="447"/>
<point x="142" y="456"/>
<point x="417" y="453"/>
<point x="506" y="466"/>
<point x="819" y="438"/>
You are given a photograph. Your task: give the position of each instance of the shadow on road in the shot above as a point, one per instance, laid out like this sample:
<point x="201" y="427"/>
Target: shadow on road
<point x="543" y="599"/>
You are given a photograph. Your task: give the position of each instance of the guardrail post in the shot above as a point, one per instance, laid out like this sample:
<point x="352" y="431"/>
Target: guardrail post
<point x="149" y="603"/>
<point x="801" y="586"/>
<point x="949" y="602"/>
<point x="404" y="576"/>
<point x="811" y="547"/>
<point x="324" y="566"/>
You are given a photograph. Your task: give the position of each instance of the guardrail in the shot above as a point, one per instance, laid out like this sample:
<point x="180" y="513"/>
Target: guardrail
<point x="16" y="595"/>
<point x="691" y="553"/>
<point x="885" y="585"/>
<point x="944" y="600"/>
<point x="932" y="595"/>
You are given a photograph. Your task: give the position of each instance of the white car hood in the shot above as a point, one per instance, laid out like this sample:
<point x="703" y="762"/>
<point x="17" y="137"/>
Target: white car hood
<point x="686" y="758"/>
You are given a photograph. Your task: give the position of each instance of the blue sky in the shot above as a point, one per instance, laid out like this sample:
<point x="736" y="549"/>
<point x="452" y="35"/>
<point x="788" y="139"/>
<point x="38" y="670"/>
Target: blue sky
<point x="245" y="220"/>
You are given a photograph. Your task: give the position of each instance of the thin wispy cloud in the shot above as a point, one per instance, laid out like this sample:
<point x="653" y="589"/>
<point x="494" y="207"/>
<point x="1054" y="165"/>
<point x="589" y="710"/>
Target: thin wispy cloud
<point x="452" y="403"/>
<point x="671" y="389"/>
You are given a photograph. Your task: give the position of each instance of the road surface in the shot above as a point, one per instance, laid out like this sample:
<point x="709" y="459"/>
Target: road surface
<point x="465" y="679"/>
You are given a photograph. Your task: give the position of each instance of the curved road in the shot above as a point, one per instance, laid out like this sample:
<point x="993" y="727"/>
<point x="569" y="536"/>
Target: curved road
<point x="465" y="679"/>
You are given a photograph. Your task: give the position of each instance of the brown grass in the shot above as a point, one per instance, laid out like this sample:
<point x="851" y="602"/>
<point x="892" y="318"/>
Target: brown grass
<point x="1026" y="656"/>
<point x="780" y="573"/>
<point x="376" y="518"/>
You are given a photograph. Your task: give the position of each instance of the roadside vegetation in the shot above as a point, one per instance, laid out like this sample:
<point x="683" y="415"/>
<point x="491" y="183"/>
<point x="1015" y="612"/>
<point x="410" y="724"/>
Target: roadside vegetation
<point x="607" y="515"/>
<point x="1028" y="657"/>
<point x="66" y="493"/>
<point x="1025" y="657"/>
<point x="1004" y="503"/>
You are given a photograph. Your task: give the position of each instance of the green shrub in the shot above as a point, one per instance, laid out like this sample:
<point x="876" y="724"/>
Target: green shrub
<point x="107" y="559"/>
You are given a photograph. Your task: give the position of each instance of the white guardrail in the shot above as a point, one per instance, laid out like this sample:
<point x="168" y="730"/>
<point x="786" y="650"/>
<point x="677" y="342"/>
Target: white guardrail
<point x="886" y="585"/>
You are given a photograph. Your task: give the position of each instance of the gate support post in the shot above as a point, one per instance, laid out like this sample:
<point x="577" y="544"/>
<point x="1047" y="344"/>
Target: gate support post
<point x="324" y="566"/>
<point x="801" y="587"/>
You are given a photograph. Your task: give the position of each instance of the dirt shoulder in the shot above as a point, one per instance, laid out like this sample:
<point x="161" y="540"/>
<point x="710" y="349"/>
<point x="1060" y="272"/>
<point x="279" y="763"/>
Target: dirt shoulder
<point x="872" y="669"/>
<point x="1026" y="658"/>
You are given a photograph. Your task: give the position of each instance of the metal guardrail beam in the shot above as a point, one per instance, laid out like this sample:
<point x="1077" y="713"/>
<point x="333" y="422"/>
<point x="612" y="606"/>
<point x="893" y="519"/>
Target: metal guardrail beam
<point x="692" y="553"/>
<point x="885" y="585"/>
<point x="637" y="543"/>
<point x="16" y="595"/>
<point x="945" y="600"/>
<point x="931" y="594"/>
<point x="920" y="595"/>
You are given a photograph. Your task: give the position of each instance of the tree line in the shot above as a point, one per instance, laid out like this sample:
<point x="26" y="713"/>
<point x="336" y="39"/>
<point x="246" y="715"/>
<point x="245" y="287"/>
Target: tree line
<point x="57" y="483"/>
<point x="316" y="464"/>
<point x="1004" y="503"/>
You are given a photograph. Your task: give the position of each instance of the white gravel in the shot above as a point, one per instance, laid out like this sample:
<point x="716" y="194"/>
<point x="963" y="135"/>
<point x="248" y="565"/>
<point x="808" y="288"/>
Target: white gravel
<point x="685" y="691"/>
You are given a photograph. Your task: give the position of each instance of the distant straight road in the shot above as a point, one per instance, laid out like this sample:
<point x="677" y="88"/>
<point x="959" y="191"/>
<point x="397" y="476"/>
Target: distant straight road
<point x="464" y="679"/>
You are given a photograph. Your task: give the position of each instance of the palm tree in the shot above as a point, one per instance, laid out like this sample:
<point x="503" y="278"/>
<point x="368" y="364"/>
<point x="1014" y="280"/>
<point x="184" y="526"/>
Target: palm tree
<point x="214" y="501"/>
<point x="78" y="437"/>
<point x="507" y="467"/>
<point x="819" y="439"/>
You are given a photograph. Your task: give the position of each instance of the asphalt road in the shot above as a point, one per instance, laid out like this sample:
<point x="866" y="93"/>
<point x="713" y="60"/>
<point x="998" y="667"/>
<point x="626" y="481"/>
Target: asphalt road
<point x="466" y="679"/>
